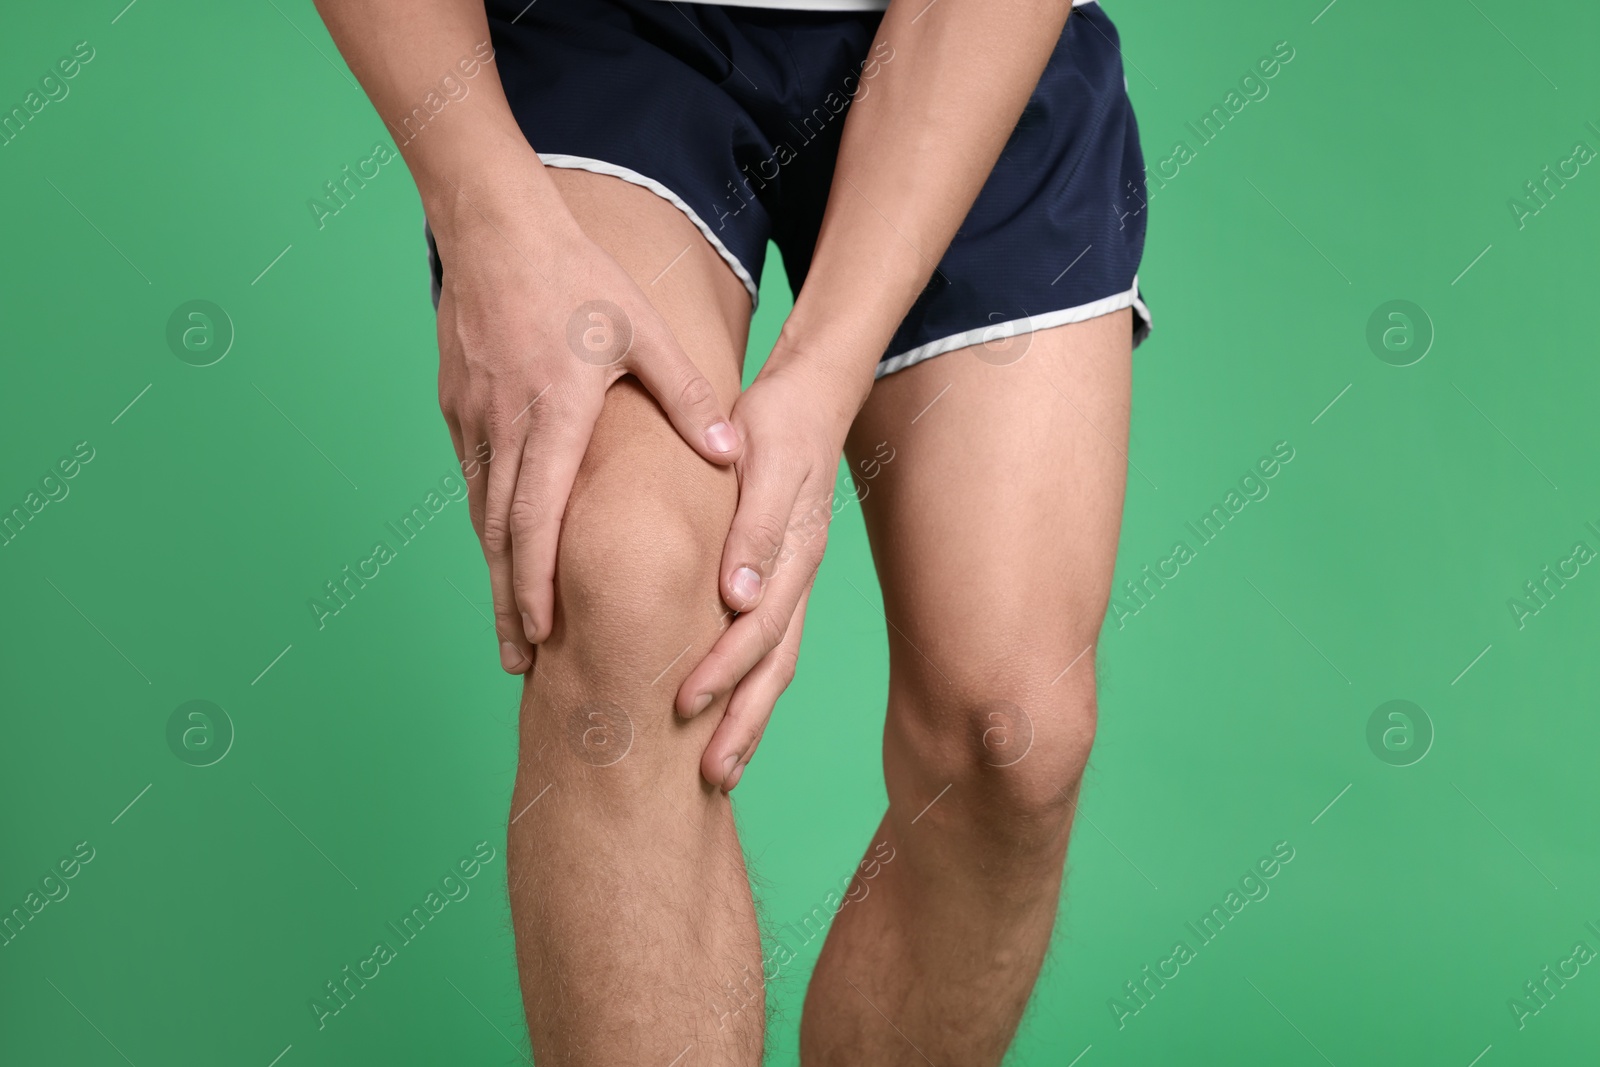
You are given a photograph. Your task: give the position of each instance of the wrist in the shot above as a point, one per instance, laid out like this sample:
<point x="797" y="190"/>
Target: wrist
<point x="845" y="317"/>
<point x="499" y="185"/>
<point x="837" y="373"/>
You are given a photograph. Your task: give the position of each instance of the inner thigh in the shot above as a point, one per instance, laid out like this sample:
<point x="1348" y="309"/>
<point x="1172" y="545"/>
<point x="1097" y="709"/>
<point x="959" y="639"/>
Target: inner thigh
<point x="706" y="306"/>
<point x="994" y="526"/>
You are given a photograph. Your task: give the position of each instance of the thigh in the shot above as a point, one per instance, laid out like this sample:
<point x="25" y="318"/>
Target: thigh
<point x="994" y="527"/>
<point x="690" y="284"/>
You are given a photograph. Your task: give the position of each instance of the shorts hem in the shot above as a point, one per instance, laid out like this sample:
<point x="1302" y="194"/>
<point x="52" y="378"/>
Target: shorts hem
<point x="633" y="177"/>
<point x="1028" y="324"/>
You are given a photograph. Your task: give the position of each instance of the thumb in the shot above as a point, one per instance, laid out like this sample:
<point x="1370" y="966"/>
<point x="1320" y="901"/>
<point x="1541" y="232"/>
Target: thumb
<point x="687" y="397"/>
<point x="753" y="552"/>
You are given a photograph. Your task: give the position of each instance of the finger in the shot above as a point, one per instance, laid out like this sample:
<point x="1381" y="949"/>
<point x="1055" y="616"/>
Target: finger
<point x="471" y="473"/>
<point x="738" y="771"/>
<point x="739" y="733"/>
<point x="454" y="427"/>
<point x="494" y="531"/>
<point x="761" y="524"/>
<point x="748" y="640"/>
<point x="472" y="450"/>
<point x="686" y="396"/>
<point x="550" y="459"/>
<point x="449" y="352"/>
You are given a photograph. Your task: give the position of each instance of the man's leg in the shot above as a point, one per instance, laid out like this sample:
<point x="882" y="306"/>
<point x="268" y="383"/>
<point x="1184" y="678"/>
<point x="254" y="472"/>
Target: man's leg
<point x="994" y="529"/>
<point x="636" y="937"/>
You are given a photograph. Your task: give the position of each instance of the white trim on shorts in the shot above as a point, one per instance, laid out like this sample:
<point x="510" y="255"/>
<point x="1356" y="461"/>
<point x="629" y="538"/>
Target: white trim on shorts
<point x="1028" y="324"/>
<point x="979" y="335"/>
<point x="600" y="166"/>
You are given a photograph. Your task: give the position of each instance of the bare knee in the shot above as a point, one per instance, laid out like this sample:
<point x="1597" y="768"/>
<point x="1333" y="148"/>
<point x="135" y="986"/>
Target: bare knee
<point x="637" y="604"/>
<point x="1004" y="757"/>
<point x="641" y="539"/>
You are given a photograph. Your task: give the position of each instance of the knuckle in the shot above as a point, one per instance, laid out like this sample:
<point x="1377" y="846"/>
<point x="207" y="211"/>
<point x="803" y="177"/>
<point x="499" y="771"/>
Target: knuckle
<point x="695" y="392"/>
<point x="779" y="673"/>
<point x="771" y="628"/>
<point x="765" y="536"/>
<point x="785" y="665"/>
<point x="496" y="532"/>
<point x="525" y="514"/>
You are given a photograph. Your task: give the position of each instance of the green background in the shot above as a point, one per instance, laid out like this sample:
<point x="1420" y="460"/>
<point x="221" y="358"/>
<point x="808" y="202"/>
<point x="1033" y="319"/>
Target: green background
<point x="373" y="754"/>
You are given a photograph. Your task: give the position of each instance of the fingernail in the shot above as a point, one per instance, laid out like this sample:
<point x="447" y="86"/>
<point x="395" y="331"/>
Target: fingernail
<point x="701" y="703"/>
<point x="528" y="627"/>
<point x="746" y="584"/>
<point x="721" y="438"/>
<point x="510" y="657"/>
<point x="728" y="766"/>
<point x="733" y="779"/>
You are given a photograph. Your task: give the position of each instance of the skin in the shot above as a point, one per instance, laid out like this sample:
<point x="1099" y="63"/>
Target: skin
<point x="629" y="897"/>
<point x="636" y="935"/>
<point x="994" y="531"/>
<point x="915" y="152"/>
<point x="520" y="397"/>
<point x="619" y="545"/>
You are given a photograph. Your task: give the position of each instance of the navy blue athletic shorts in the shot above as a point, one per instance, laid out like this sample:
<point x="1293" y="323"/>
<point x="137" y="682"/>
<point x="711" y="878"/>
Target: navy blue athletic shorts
<point x="733" y="115"/>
